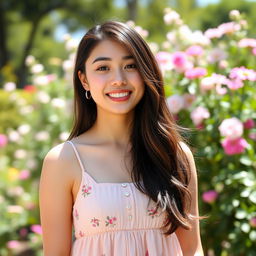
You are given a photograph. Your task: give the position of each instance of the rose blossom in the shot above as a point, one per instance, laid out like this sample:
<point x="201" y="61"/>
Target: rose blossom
<point x="195" y="50"/>
<point x="247" y="42"/>
<point x="234" y="14"/>
<point x="229" y="27"/>
<point x="231" y="128"/>
<point x="13" y="244"/>
<point x="180" y="61"/>
<point x="221" y="90"/>
<point x="175" y="103"/>
<point x="188" y="100"/>
<point x="249" y="124"/>
<point x="24" y="174"/>
<point x="234" y="84"/>
<point x="199" y="114"/>
<point x="213" y="33"/>
<point x="243" y="73"/>
<point x="216" y="55"/>
<point x="36" y="229"/>
<point x="210" y="196"/>
<point x="208" y="83"/>
<point x="253" y="222"/>
<point x="164" y="59"/>
<point x="195" y="72"/>
<point x="3" y="140"/>
<point x="252" y="136"/>
<point x="171" y="17"/>
<point x="234" y="146"/>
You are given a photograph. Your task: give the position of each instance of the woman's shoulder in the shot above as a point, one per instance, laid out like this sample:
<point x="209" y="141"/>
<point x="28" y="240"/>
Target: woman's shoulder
<point x="58" y="161"/>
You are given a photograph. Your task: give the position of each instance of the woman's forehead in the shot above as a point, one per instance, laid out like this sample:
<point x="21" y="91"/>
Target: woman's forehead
<point x="110" y="49"/>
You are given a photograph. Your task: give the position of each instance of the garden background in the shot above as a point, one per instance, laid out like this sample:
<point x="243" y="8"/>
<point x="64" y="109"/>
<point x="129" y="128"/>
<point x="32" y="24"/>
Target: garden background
<point x="207" y="53"/>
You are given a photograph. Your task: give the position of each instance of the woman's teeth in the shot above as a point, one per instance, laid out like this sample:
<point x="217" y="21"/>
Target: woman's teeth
<point x="118" y="95"/>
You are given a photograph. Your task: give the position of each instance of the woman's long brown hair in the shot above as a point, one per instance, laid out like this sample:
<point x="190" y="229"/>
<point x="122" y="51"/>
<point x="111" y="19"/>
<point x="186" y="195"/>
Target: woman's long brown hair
<point x="158" y="159"/>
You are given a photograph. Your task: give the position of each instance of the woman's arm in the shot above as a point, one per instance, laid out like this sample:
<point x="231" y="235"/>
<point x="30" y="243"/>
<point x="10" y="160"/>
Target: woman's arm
<point x="190" y="240"/>
<point x="56" y="203"/>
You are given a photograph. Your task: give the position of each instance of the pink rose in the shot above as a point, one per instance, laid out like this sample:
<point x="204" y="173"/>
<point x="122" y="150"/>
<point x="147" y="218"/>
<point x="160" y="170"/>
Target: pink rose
<point x="247" y="42"/>
<point x="3" y="140"/>
<point x="210" y="196"/>
<point x="199" y="114"/>
<point x="243" y="73"/>
<point x="188" y="100"/>
<point x="36" y="229"/>
<point x="249" y="124"/>
<point x="231" y="128"/>
<point x="180" y="61"/>
<point x="234" y="84"/>
<point x="24" y="174"/>
<point x="175" y="103"/>
<point x="194" y="50"/>
<point x="195" y="72"/>
<point x="13" y="244"/>
<point x="213" y="33"/>
<point x="164" y="59"/>
<point x="252" y="136"/>
<point x="235" y="146"/>
<point x="253" y="222"/>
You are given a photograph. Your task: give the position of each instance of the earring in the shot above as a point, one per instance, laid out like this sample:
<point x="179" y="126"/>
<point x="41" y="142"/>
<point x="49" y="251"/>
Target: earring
<point x="86" y="95"/>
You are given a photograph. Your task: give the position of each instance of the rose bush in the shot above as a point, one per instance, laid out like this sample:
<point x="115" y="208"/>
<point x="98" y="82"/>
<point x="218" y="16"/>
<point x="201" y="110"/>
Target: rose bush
<point x="210" y="87"/>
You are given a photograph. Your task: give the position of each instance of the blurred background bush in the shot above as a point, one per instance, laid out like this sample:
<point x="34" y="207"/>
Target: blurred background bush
<point x="207" y="53"/>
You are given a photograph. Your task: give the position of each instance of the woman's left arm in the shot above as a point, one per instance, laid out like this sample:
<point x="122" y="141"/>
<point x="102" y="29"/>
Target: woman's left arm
<point x="190" y="240"/>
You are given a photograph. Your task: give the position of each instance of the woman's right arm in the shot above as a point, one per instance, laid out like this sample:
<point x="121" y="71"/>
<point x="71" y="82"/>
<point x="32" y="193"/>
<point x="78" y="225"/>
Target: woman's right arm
<point x="55" y="199"/>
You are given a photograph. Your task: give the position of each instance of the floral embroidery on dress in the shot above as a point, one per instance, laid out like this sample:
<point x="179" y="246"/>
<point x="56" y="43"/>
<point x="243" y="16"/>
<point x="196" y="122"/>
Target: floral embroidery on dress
<point x="95" y="222"/>
<point x="76" y="214"/>
<point x="81" y="234"/>
<point x="153" y="212"/>
<point x="110" y="221"/>
<point x="147" y="253"/>
<point x="86" y="190"/>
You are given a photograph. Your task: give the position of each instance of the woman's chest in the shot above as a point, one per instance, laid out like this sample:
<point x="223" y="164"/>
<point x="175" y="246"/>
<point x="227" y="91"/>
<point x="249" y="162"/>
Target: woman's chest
<point x="103" y="207"/>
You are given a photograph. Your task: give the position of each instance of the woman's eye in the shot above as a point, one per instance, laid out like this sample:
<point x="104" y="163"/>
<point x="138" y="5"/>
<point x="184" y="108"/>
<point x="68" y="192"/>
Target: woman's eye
<point x="102" y="68"/>
<point x="131" y="66"/>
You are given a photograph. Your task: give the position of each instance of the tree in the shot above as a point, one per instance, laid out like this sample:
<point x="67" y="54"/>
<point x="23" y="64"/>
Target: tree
<point x="33" y="12"/>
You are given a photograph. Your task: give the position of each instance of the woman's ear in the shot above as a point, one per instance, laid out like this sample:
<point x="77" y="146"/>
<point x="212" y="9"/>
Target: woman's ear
<point x="83" y="80"/>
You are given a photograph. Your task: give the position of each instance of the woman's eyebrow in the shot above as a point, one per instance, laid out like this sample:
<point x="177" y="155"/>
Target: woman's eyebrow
<point x="109" y="59"/>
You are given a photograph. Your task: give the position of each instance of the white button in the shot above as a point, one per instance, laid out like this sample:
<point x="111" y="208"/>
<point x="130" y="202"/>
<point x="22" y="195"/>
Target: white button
<point x="130" y="217"/>
<point x="128" y="207"/>
<point x="127" y="194"/>
<point x="124" y="185"/>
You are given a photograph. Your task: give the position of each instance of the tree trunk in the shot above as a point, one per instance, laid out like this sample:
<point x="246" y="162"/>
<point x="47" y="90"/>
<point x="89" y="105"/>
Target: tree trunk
<point x="22" y="71"/>
<point x="3" y="47"/>
<point x="132" y="6"/>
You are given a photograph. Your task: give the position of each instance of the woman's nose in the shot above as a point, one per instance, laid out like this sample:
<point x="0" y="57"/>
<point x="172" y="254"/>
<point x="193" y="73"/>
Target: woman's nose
<point x="119" y="78"/>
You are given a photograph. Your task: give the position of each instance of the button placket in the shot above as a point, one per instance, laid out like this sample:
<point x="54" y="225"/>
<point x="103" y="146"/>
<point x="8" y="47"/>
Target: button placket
<point x="127" y="194"/>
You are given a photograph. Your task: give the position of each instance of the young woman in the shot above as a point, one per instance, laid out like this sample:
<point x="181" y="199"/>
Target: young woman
<point x="124" y="179"/>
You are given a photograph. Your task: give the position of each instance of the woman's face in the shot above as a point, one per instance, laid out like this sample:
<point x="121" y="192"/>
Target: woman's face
<point x="113" y="78"/>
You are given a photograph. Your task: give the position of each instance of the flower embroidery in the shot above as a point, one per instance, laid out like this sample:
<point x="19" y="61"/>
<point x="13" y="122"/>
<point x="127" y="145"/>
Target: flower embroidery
<point x="81" y="234"/>
<point x="95" y="222"/>
<point x="147" y="253"/>
<point x="76" y="214"/>
<point x="153" y="212"/>
<point x="86" y="190"/>
<point x="110" y="221"/>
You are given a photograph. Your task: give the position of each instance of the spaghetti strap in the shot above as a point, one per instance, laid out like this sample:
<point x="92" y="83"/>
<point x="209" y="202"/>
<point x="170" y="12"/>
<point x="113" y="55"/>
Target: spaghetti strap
<point x="77" y="154"/>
